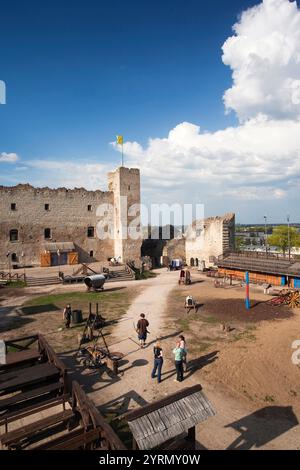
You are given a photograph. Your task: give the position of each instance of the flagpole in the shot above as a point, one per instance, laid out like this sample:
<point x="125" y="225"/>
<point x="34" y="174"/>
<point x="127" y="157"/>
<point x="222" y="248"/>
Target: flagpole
<point x="122" y="155"/>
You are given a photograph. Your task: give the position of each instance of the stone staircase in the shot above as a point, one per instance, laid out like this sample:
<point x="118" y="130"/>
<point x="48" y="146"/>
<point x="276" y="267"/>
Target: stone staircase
<point x="42" y="281"/>
<point x="120" y="273"/>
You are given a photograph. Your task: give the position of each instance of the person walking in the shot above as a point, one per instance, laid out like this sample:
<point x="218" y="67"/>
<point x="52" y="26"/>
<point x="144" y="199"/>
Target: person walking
<point x="182" y="345"/>
<point x="142" y="330"/>
<point x="67" y="315"/>
<point x="158" y="361"/>
<point x="179" y="354"/>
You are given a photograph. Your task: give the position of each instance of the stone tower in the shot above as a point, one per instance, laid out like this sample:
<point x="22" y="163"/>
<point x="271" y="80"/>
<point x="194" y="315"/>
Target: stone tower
<point x="125" y="184"/>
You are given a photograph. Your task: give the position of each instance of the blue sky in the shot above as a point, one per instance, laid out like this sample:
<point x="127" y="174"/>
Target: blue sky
<point x="78" y="73"/>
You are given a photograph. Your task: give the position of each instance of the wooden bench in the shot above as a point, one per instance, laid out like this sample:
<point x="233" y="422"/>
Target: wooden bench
<point x="35" y="393"/>
<point x="46" y="404"/>
<point x="13" y="438"/>
<point x="20" y="358"/>
<point x="72" y="441"/>
<point x="14" y="381"/>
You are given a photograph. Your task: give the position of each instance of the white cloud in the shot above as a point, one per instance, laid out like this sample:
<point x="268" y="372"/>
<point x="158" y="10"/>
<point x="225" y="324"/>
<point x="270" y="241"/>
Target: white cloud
<point x="264" y="55"/>
<point x="259" y="159"/>
<point x="252" y="193"/>
<point x="8" y="157"/>
<point x="258" y="152"/>
<point x="68" y="174"/>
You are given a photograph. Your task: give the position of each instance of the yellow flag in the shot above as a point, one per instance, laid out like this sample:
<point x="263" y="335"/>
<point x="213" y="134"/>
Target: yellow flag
<point x="120" y="139"/>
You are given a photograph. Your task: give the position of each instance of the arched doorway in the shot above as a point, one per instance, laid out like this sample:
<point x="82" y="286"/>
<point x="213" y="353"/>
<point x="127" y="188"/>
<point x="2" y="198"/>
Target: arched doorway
<point x="192" y="262"/>
<point x="196" y="262"/>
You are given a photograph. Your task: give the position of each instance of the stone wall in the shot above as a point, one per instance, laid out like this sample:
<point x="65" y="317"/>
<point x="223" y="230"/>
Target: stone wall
<point x="210" y="238"/>
<point x="69" y="214"/>
<point x="174" y="249"/>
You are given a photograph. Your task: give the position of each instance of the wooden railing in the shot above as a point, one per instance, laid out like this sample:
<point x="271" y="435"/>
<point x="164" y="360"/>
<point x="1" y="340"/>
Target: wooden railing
<point x="47" y="351"/>
<point x="13" y="277"/>
<point x="129" y="270"/>
<point x="15" y="343"/>
<point x="92" y="417"/>
<point x="257" y="255"/>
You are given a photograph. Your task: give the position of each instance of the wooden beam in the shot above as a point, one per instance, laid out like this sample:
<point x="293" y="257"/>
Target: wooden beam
<point x="98" y="420"/>
<point x="144" y="410"/>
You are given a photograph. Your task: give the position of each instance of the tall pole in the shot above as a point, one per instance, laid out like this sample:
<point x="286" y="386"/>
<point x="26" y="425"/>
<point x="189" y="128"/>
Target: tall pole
<point x="247" y="279"/>
<point x="266" y="234"/>
<point x="23" y="263"/>
<point x="289" y="239"/>
<point x="8" y="259"/>
<point x="120" y="141"/>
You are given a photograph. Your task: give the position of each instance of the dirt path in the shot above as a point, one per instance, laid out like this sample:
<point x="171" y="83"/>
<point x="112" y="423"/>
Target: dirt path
<point x="237" y="424"/>
<point x="136" y="387"/>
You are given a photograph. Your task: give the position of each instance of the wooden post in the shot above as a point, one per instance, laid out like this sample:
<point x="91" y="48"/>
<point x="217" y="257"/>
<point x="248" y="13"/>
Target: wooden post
<point x="247" y="278"/>
<point x="192" y="436"/>
<point x="134" y="444"/>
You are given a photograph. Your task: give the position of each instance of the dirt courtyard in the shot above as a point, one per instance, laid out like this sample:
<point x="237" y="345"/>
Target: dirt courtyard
<point x="241" y="358"/>
<point x="254" y="358"/>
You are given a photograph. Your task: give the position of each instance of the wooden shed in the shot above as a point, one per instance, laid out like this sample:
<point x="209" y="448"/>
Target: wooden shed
<point x="170" y="423"/>
<point x="263" y="268"/>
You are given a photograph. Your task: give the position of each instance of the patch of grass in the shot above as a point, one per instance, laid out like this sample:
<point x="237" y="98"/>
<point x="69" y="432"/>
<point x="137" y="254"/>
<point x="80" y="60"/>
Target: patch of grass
<point x="112" y="306"/>
<point x="209" y="319"/>
<point x="269" y="399"/>
<point x="18" y="283"/>
<point x="120" y="427"/>
<point x="200" y="347"/>
<point x="184" y="324"/>
<point x="74" y="298"/>
<point x="247" y="395"/>
<point x="144" y="275"/>
<point x="246" y="335"/>
<point x="11" y="349"/>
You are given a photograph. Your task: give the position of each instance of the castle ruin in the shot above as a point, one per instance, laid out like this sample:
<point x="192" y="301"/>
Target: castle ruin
<point x="48" y="227"/>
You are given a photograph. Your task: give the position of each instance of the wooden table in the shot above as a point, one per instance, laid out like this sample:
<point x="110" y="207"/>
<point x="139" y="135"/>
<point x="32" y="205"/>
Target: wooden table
<point x="24" y="378"/>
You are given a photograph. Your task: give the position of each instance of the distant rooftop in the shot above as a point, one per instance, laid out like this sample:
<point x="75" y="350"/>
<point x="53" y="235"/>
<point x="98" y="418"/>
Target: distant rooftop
<point x="259" y="262"/>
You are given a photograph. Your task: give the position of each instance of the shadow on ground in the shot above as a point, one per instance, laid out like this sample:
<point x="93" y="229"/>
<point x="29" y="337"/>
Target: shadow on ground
<point x="193" y="366"/>
<point x="262" y="426"/>
<point x="38" y="309"/>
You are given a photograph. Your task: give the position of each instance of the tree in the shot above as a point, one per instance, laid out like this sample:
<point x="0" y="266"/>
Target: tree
<point x="280" y="238"/>
<point x="239" y="243"/>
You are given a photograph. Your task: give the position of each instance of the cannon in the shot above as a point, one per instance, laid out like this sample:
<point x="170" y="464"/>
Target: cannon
<point x="96" y="281"/>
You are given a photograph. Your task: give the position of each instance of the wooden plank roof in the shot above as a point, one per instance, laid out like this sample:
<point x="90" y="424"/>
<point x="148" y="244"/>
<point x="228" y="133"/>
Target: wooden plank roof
<point x="261" y="264"/>
<point x="156" y="423"/>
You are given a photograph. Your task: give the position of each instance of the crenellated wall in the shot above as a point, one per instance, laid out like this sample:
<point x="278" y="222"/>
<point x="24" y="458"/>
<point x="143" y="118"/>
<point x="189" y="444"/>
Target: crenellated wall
<point x="68" y="215"/>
